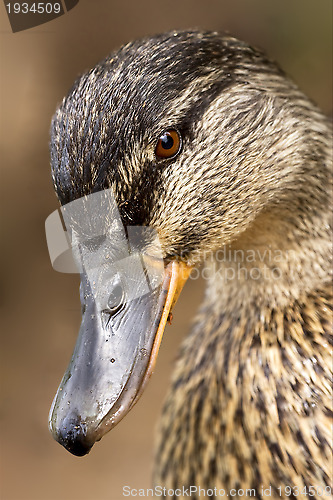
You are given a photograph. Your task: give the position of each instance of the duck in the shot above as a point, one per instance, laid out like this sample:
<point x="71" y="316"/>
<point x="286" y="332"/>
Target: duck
<point x="205" y="140"/>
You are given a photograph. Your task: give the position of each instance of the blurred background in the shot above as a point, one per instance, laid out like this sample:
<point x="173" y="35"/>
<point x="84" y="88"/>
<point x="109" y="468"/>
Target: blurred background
<point x="40" y="308"/>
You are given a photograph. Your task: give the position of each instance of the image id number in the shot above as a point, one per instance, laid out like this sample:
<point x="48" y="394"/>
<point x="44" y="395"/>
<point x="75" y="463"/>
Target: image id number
<point x="35" y="8"/>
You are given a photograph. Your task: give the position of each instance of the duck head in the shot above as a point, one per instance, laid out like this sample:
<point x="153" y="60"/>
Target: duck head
<point x="187" y="131"/>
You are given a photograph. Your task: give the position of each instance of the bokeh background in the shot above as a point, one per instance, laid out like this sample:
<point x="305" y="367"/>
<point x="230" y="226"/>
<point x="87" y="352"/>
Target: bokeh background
<point x="40" y="311"/>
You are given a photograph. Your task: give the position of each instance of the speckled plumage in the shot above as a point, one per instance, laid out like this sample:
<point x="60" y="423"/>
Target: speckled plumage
<point x="250" y="400"/>
<point x="250" y="403"/>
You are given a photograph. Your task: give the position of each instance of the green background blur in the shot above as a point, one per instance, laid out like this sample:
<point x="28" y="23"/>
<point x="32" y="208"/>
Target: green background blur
<point x="40" y="308"/>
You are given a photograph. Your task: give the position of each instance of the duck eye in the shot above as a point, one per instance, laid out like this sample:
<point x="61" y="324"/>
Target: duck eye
<point x="116" y="299"/>
<point x="169" y="144"/>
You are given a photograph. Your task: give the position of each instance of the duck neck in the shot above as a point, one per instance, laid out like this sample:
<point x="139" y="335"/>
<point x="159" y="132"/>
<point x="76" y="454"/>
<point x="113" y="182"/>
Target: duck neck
<point x="255" y="366"/>
<point x="271" y="265"/>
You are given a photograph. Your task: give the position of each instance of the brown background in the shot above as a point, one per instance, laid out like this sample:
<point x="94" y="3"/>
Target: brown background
<point x="40" y="308"/>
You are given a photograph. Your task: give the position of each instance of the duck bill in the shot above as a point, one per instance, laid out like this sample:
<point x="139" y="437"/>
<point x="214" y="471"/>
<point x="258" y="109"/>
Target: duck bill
<point x="113" y="359"/>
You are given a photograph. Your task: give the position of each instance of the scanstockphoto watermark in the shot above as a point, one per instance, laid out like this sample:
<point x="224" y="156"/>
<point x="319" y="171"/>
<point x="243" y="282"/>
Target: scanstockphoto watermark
<point x="248" y="256"/>
<point x="88" y="236"/>
<point x="229" y="264"/>
<point x="263" y="491"/>
<point x="183" y="492"/>
<point x="237" y="273"/>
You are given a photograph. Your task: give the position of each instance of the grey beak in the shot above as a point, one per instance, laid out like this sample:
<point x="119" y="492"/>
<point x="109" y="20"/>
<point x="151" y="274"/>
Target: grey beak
<point x="111" y="355"/>
<point x="127" y="294"/>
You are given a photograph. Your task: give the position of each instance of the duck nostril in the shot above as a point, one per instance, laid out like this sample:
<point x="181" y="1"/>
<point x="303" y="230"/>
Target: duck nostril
<point x="116" y="299"/>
